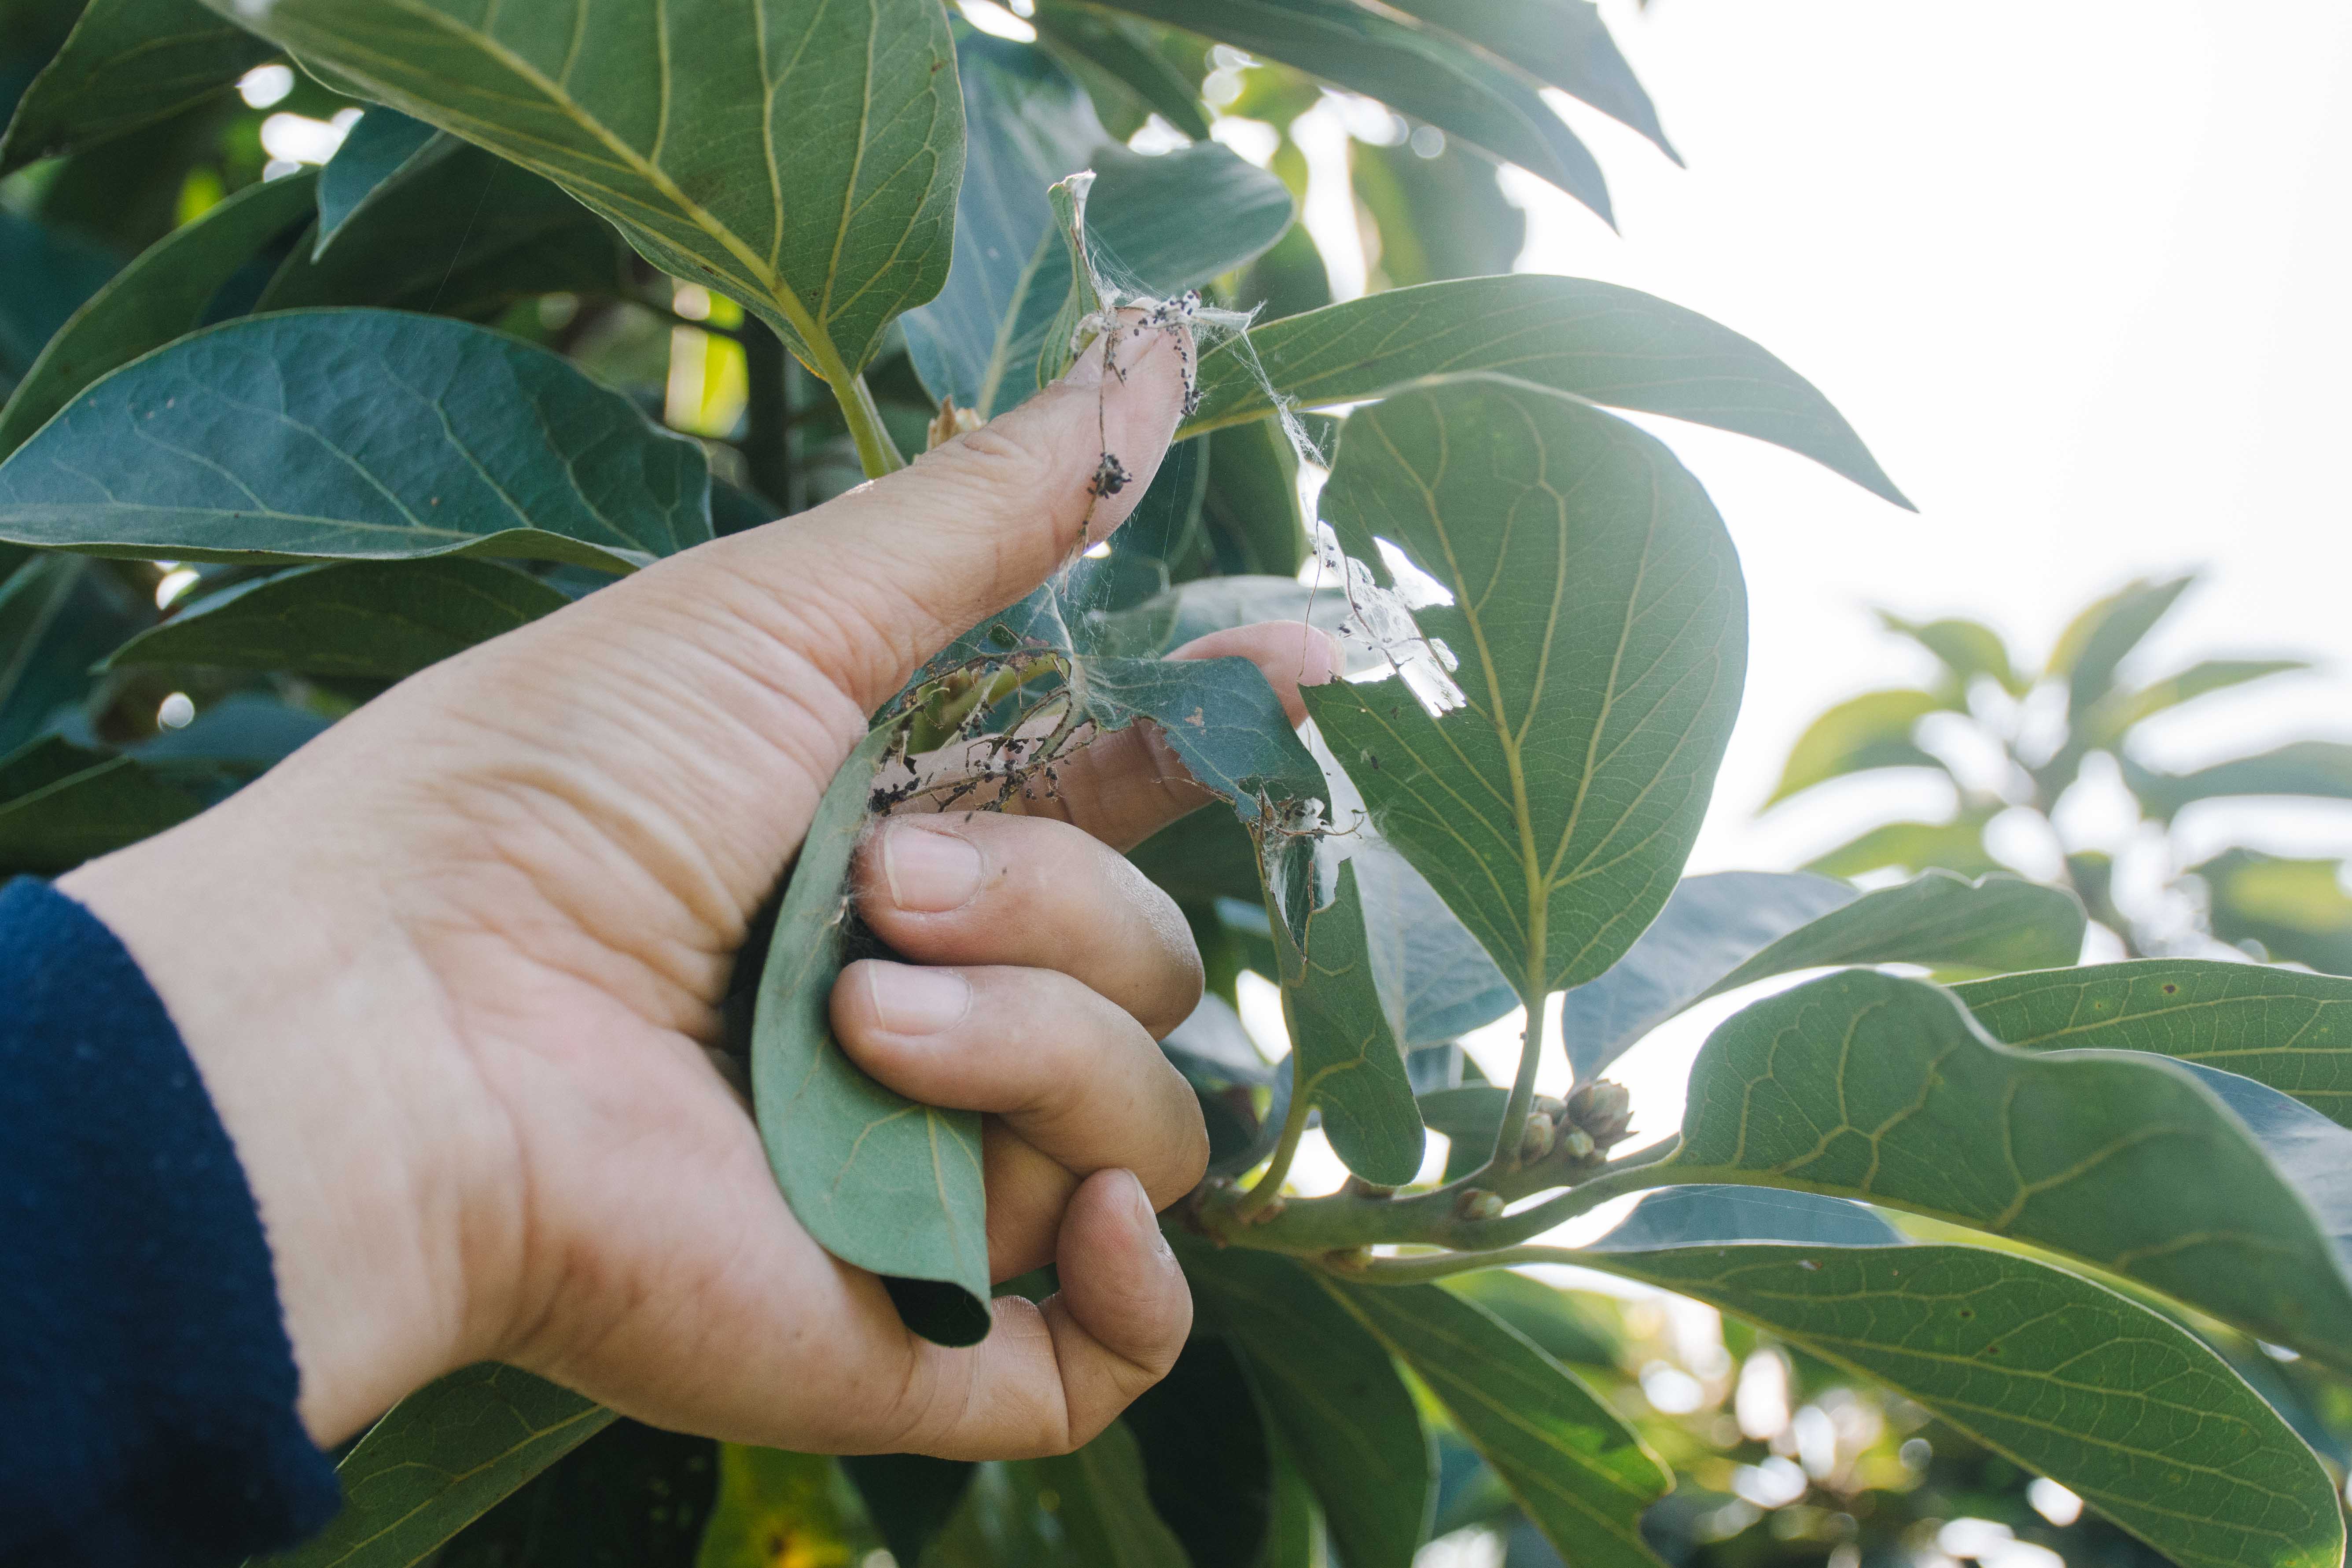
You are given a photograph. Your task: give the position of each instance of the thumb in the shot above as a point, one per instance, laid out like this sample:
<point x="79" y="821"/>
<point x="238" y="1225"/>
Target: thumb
<point x="889" y="574"/>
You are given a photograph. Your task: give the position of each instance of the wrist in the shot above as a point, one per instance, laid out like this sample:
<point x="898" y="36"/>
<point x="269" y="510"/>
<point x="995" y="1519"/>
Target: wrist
<point x="317" y="1035"/>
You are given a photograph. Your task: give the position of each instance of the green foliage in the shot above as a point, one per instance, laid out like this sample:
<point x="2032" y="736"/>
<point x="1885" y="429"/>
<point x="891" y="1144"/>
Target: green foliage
<point x="2269" y="908"/>
<point x="581" y="289"/>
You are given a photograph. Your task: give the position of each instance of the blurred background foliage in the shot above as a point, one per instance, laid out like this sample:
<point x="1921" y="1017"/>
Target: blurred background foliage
<point x="1780" y="1458"/>
<point x="2046" y="773"/>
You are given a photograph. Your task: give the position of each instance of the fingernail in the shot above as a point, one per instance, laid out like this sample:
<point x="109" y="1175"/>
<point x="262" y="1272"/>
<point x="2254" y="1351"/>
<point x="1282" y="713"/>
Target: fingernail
<point x="928" y="871"/>
<point x="911" y="1000"/>
<point x="1145" y="1218"/>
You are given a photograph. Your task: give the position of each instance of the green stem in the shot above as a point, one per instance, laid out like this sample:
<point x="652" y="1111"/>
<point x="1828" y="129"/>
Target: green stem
<point x="1509" y="1137"/>
<point x="1346" y="1219"/>
<point x="1270" y="1186"/>
<point x="1445" y="1265"/>
<point x="877" y="453"/>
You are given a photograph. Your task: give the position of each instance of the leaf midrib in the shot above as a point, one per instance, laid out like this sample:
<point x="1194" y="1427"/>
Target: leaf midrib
<point x="831" y="365"/>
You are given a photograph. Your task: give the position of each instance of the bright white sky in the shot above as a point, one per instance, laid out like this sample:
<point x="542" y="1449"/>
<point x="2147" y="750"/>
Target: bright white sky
<point x="2080" y="274"/>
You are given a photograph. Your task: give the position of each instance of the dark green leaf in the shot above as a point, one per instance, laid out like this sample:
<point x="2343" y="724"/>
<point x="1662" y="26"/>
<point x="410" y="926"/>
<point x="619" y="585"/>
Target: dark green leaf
<point x="1122" y="49"/>
<point x="355" y="434"/>
<point x="441" y="1459"/>
<point x="631" y="1496"/>
<point x="775" y="1506"/>
<point x="2099" y="638"/>
<point x="1581" y="1473"/>
<point x="367" y="620"/>
<point x="879" y="1181"/>
<point x="463" y="233"/>
<point x="1718" y="933"/>
<point x="382" y="149"/>
<point x="799" y="159"/>
<point x="1205" y="1460"/>
<point x="2061" y="1377"/>
<point x="128" y="63"/>
<point x="1871" y="730"/>
<point x="1862" y="1085"/>
<point x="155" y="299"/>
<point x="1602" y="629"/>
<point x="1471" y="1117"/>
<point x="1331" y="1392"/>
<point x="1428" y="75"/>
<point x="1085" y="1510"/>
<point x="1205" y="856"/>
<point x="1954" y="845"/>
<point x="910" y="1497"/>
<point x="58" y="616"/>
<point x="1711" y="927"/>
<point x="1563" y="43"/>
<point x="1346" y="1057"/>
<point x="1613" y="346"/>
<point x="60" y="805"/>
<point x="2311" y="1151"/>
<point x="1686" y="1216"/>
<point x="1443" y="217"/>
<point x="2322" y="768"/>
<point x="2290" y="1031"/>
<point x="50" y="275"/>
<point x="1218" y="715"/>
<point x="1435" y="980"/>
<point x="1250" y="509"/>
<point x="1546" y="1317"/>
<point x="1030" y="125"/>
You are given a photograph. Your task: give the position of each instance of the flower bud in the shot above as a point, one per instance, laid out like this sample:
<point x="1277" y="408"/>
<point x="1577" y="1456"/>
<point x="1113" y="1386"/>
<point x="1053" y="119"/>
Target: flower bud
<point x="1604" y="1109"/>
<point x="1537" y="1137"/>
<point x="1578" y="1144"/>
<point x="1478" y="1203"/>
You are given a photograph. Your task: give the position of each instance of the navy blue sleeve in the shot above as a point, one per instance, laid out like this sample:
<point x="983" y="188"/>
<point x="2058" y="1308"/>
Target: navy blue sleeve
<point x="146" y="1385"/>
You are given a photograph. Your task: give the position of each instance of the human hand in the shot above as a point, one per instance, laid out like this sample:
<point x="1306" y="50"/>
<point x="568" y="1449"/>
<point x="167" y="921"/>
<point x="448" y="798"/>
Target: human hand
<point x="450" y="974"/>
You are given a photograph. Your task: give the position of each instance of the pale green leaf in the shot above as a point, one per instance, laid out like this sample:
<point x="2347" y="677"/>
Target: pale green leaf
<point x="1862" y="1085"/>
<point x="1967" y="650"/>
<point x="1717" y="934"/>
<point x="127" y="63"/>
<point x="1871" y="730"/>
<point x="2111" y="718"/>
<point x="158" y="296"/>
<point x="1580" y="1472"/>
<point x="1600" y="623"/>
<point x="801" y="159"/>
<point x="1125" y="52"/>
<point x="1686" y="1216"/>
<point x="2295" y="910"/>
<point x="879" y="1181"/>
<point x="2279" y="1026"/>
<point x="2320" y="768"/>
<point x="357" y="435"/>
<point x="368" y="620"/>
<point x="2065" y="1378"/>
<point x="441" y="1459"/>
<point x="2099" y="638"/>
<point x="1344" y="1057"/>
<point x="1615" y="346"/>
<point x="1955" y="846"/>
